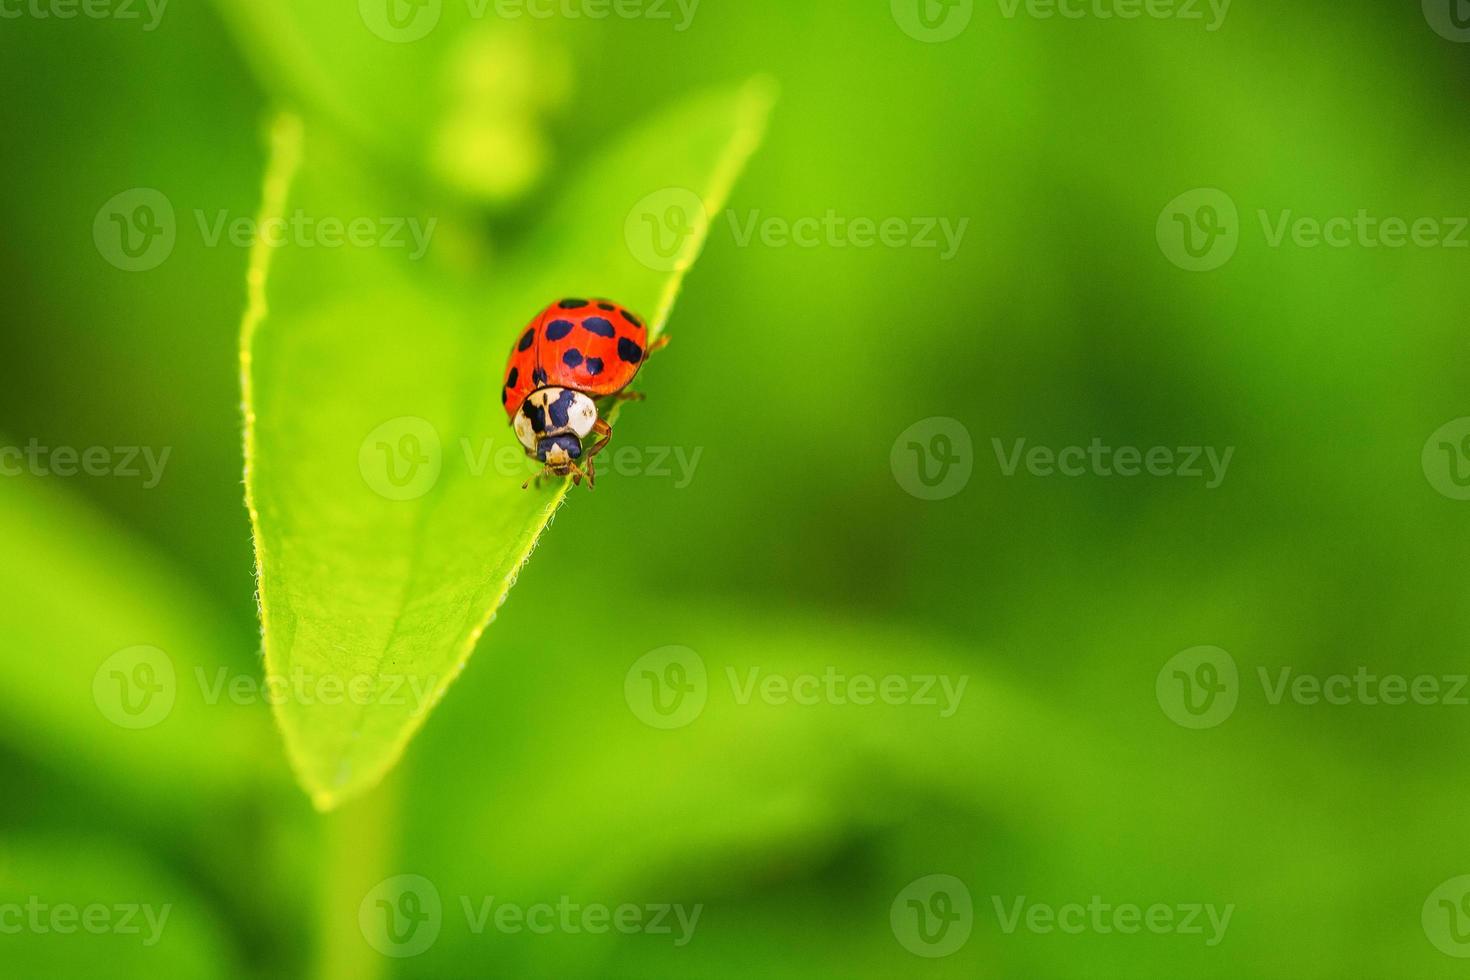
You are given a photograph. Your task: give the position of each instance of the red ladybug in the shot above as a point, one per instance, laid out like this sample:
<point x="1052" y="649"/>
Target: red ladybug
<point x="574" y="351"/>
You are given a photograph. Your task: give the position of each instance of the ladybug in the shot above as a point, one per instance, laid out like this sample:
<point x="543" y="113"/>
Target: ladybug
<point x="573" y="352"/>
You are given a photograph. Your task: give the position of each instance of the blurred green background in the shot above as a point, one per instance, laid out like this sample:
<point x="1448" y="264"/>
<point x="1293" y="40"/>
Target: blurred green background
<point x="1330" y="831"/>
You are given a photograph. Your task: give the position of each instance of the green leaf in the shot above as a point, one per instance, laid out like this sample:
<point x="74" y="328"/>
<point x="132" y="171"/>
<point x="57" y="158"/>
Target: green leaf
<point x="383" y="479"/>
<point x="484" y="89"/>
<point x="118" y="670"/>
<point x="743" y="795"/>
<point x="80" y="907"/>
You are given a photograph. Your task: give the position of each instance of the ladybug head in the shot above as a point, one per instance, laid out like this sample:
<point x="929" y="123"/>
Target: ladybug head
<point x="559" y="452"/>
<point x="551" y="424"/>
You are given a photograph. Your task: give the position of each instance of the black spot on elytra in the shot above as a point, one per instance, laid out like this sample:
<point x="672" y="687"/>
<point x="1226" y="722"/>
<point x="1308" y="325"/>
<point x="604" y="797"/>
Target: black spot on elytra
<point x="515" y="375"/>
<point x="572" y="357"/>
<point x="606" y="306"/>
<point x="599" y="326"/>
<point x="572" y="304"/>
<point x="557" y="329"/>
<point x="631" y="318"/>
<point x="538" y="376"/>
<point x="594" y="366"/>
<point x="504" y="395"/>
<point x="629" y="351"/>
<point x="561" y="410"/>
<point x="526" y="340"/>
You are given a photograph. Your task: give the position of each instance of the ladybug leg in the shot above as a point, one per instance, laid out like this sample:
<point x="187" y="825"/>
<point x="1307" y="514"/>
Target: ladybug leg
<point x="536" y="480"/>
<point x="630" y="396"/>
<point x="604" y="433"/>
<point x="658" y="345"/>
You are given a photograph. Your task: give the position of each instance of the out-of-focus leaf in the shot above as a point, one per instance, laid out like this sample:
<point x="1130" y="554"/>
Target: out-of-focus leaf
<point x="447" y="90"/>
<point x="84" y="908"/>
<point x="781" y="758"/>
<point x="115" y="666"/>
